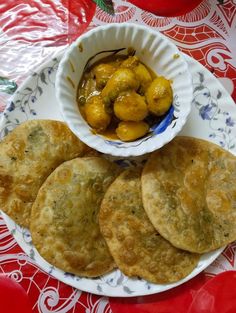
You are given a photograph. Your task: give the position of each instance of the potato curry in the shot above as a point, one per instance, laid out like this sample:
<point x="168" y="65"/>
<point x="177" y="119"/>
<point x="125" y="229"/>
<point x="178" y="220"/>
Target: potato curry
<point x="118" y="95"/>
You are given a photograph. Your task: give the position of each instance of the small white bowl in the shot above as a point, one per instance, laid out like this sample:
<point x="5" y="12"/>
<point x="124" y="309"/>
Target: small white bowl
<point x="154" y="50"/>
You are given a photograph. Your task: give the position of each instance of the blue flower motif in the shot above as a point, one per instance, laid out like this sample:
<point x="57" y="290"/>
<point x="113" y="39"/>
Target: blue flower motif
<point x="69" y="275"/>
<point x="11" y="107"/>
<point x="33" y="112"/>
<point x="230" y="122"/>
<point x="207" y="111"/>
<point x="50" y="70"/>
<point x="33" y="99"/>
<point x="161" y="127"/>
<point x="113" y="143"/>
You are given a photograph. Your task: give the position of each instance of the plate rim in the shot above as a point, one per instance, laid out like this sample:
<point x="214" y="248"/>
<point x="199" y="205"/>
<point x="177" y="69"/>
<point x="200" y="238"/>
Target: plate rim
<point x="112" y="294"/>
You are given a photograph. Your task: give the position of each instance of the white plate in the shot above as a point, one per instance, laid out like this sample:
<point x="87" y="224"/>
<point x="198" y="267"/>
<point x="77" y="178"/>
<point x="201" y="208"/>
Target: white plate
<point x="213" y="117"/>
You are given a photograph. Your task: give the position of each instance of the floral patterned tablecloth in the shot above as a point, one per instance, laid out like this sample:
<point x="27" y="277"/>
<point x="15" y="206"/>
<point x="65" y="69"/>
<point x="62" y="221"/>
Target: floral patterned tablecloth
<point x="32" y="32"/>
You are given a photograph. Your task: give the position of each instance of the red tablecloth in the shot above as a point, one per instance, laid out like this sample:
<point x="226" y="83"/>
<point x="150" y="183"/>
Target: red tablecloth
<point x="34" y="31"/>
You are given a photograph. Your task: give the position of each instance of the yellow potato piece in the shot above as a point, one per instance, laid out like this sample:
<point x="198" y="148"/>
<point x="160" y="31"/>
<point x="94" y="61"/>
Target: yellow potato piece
<point x="143" y="76"/>
<point x="130" y="107"/>
<point x="122" y="80"/>
<point x="130" y="62"/>
<point x="142" y="73"/>
<point x="102" y="73"/>
<point x="159" y="96"/>
<point x="95" y="113"/>
<point x="128" y="131"/>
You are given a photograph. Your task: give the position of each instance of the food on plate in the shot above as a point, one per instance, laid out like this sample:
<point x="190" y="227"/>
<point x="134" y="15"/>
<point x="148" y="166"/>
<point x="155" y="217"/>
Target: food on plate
<point x="122" y="80"/>
<point x="64" y="222"/>
<point x="27" y="156"/>
<point x="137" y="248"/>
<point x="128" y="131"/>
<point x="102" y="73"/>
<point x="159" y="96"/>
<point x="154" y="222"/>
<point x="143" y="75"/>
<point x="120" y="88"/>
<point x="130" y="106"/>
<point x="189" y="194"/>
<point x="96" y="113"/>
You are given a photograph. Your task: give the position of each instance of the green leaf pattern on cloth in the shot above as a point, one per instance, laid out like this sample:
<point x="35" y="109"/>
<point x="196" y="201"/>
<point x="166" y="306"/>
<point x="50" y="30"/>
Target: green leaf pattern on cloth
<point x="7" y="86"/>
<point x="105" y="5"/>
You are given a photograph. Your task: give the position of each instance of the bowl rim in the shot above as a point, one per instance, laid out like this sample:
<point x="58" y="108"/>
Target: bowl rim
<point x="109" y="149"/>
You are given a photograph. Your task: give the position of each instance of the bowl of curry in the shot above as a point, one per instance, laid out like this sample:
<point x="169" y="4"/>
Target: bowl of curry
<point x="124" y="89"/>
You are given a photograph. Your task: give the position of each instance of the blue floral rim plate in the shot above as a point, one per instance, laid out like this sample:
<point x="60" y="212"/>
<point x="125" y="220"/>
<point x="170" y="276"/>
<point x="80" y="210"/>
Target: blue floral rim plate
<point x="213" y="117"/>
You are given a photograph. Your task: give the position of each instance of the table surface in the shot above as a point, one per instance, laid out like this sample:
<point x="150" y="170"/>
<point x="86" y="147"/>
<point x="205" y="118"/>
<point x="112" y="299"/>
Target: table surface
<point x="32" y="32"/>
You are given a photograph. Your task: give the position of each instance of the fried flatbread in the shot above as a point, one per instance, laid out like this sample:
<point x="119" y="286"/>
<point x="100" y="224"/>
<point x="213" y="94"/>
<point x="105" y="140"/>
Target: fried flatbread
<point x="64" y="218"/>
<point x="189" y="194"/>
<point x="27" y="156"/>
<point x="135" y="245"/>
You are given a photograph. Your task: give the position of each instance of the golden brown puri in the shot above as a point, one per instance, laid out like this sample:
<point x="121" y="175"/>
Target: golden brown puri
<point x="189" y="194"/>
<point x="27" y="156"/>
<point x="135" y="245"/>
<point x="64" y="222"/>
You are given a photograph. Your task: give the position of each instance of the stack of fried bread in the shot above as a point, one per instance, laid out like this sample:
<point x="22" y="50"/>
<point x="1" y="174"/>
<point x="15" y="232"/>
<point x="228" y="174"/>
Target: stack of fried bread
<point x="88" y="216"/>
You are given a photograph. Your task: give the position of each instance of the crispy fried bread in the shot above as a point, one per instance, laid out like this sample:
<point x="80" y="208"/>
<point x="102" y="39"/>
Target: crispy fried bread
<point x="64" y="218"/>
<point x="27" y="156"/>
<point x="189" y="194"/>
<point x="135" y="245"/>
